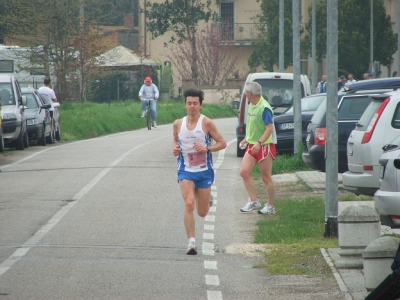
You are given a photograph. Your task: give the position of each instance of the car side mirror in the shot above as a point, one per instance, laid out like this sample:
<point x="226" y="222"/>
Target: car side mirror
<point x="397" y="163"/>
<point x="23" y="100"/>
<point x="56" y="104"/>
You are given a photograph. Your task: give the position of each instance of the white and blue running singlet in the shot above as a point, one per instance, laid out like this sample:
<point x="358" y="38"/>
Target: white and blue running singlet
<point x="190" y="160"/>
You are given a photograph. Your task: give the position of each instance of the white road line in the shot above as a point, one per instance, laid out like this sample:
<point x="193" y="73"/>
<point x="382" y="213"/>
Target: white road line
<point x="212" y="280"/>
<point x="20" y="252"/>
<point x="208" y="227"/>
<point x="208" y="236"/>
<point x="210" y="218"/>
<point x="207" y="249"/>
<point x="210" y="264"/>
<point x="214" y="295"/>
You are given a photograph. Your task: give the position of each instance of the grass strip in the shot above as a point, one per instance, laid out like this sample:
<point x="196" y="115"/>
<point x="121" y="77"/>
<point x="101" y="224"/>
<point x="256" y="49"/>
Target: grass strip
<point x="293" y="237"/>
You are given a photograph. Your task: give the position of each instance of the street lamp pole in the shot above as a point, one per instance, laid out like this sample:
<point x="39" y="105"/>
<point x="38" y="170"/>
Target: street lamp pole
<point x="371" y="40"/>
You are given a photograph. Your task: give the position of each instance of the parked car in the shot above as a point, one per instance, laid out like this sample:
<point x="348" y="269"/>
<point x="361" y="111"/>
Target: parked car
<point x="38" y="118"/>
<point x="1" y="132"/>
<point x="284" y="123"/>
<point x="13" y="112"/>
<point x="371" y="84"/>
<point x="387" y="197"/>
<point x="350" y="109"/>
<point x="379" y="125"/>
<point x="277" y="89"/>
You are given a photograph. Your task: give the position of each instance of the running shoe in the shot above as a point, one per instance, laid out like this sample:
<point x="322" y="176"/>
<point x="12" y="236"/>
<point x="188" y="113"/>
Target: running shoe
<point x="267" y="210"/>
<point x="192" y="249"/>
<point x="250" y="205"/>
<point x="155" y="124"/>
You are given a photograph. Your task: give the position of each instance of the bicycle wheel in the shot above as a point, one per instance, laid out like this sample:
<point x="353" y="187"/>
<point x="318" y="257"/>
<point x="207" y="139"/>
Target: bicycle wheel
<point x="149" y="120"/>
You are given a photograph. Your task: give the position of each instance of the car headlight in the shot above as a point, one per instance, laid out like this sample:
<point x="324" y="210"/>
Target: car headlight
<point x="9" y="118"/>
<point x="32" y="122"/>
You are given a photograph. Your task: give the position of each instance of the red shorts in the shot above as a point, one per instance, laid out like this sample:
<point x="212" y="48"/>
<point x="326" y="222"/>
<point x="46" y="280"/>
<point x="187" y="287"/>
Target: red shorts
<point x="268" y="149"/>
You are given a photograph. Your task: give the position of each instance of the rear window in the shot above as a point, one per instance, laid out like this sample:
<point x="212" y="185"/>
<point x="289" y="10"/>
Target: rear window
<point x="319" y="113"/>
<point x="278" y="91"/>
<point x="396" y="117"/>
<point x="352" y="108"/>
<point x="368" y="114"/>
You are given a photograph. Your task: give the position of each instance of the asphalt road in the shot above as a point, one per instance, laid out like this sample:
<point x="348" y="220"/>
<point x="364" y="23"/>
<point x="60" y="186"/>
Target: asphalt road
<point x="103" y="219"/>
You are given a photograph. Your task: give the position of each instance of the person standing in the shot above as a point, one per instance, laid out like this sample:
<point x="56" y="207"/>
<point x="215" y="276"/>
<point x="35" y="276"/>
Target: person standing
<point x="261" y="140"/>
<point x="48" y="94"/>
<point x="193" y="138"/>
<point x="321" y="86"/>
<point x="350" y="80"/>
<point x="149" y="93"/>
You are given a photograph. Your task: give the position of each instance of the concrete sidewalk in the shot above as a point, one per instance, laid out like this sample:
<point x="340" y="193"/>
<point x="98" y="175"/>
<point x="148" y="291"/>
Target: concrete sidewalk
<point x="350" y="281"/>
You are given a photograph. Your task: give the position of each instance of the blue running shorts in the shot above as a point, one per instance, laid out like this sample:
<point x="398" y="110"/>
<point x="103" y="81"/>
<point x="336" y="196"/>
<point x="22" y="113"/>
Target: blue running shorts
<point x="202" y="180"/>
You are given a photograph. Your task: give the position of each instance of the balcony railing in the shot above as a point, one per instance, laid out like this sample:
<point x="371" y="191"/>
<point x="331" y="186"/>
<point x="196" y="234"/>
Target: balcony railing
<point x="237" y="33"/>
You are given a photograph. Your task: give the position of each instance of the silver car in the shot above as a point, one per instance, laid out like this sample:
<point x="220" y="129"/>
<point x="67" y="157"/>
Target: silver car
<point x="387" y="198"/>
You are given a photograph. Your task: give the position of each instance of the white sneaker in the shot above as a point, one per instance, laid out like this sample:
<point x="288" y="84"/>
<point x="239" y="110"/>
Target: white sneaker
<point x="192" y="249"/>
<point x="155" y="124"/>
<point x="267" y="210"/>
<point x="250" y="205"/>
<point x="143" y="114"/>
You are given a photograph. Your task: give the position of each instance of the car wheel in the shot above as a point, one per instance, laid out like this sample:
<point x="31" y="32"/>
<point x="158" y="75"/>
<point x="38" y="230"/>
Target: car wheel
<point x="19" y="143"/>
<point x="50" y="138"/>
<point x="239" y="152"/>
<point x="26" y="140"/>
<point x="42" y="139"/>
<point x="58" y="132"/>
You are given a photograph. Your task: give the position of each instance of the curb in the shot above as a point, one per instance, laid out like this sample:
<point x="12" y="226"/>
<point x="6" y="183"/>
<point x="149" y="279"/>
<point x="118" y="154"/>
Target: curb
<point x="339" y="280"/>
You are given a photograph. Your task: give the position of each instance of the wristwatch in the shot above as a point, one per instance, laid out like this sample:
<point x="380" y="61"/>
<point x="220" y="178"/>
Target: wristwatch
<point x="208" y="149"/>
<point x="260" y="143"/>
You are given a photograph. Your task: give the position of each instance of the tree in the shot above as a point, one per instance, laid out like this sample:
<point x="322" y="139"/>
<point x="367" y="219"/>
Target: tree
<point x="216" y="61"/>
<point x="182" y="18"/>
<point x="50" y="28"/>
<point x="266" y="49"/>
<point x="354" y="35"/>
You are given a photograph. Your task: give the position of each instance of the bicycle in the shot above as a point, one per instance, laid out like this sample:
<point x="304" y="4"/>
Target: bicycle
<point x="148" y="115"/>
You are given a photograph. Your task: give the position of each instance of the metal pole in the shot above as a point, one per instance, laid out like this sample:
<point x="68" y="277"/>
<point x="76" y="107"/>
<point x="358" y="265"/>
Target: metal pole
<point x="314" y="48"/>
<point x="331" y="147"/>
<point x="398" y="39"/>
<point x="371" y="39"/>
<point x="281" y="36"/>
<point x="296" y="76"/>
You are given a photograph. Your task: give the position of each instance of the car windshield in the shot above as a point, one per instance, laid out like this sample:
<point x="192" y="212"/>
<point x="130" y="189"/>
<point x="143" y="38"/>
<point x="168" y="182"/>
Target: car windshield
<point x="308" y="103"/>
<point x="6" y="95"/>
<point x="278" y="91"/>
<point x="31" y="101"/>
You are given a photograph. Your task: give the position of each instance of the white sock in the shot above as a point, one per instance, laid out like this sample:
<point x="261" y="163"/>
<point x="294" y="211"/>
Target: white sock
<point x="192" y="240"/>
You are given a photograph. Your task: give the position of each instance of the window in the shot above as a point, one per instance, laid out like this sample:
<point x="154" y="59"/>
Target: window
<point x="228" y="18"/>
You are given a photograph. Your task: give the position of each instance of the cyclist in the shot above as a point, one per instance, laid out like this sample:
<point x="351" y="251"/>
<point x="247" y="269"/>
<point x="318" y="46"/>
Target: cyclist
<point x="149" y="93"/>
<point x="48" y="94"/>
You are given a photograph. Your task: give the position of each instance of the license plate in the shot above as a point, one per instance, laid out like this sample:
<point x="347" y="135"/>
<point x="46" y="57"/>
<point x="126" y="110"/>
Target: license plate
<point x="308" y="138"/>
<point x="286" y="126"/>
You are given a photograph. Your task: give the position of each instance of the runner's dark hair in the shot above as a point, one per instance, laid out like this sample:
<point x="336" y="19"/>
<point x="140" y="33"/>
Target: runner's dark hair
<point x="194" y="93"/>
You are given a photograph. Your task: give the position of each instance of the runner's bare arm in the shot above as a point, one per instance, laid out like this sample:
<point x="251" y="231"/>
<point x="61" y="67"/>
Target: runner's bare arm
<point x="210" y="128"/>
<point x="175" y="147"/>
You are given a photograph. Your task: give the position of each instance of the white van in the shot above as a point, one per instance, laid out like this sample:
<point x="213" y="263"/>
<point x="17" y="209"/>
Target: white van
<point x="277" y="89"/>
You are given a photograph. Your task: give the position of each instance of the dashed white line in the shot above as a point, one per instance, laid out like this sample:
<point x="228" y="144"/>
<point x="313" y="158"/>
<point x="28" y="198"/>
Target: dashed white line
<point x="212" y="280"/>
<point x="208" y="236"/>
<point x="210" y="264"/>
